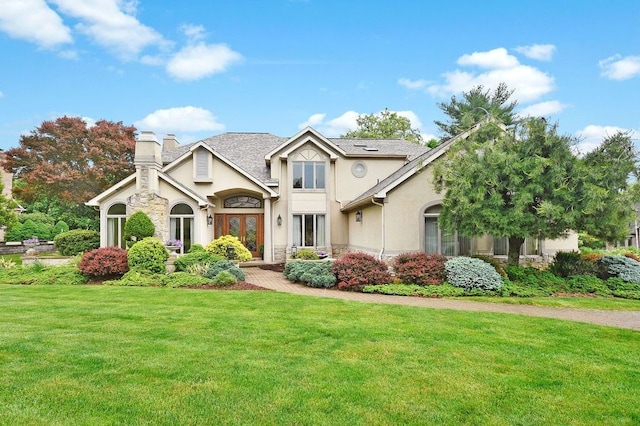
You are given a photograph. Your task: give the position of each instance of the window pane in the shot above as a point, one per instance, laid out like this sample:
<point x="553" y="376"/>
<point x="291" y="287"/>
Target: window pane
<point x="297" y="230"/>
<point x="464" y="246"/>
<point x="112" y="236"/>
<point x="320" y="175"/>
<point x="297" y="175"/>
<point x="187" y="234"/>
<point x="499" y="246"/>
<point x="448" y="245"/>
<point x="181" y="209"/>
<point x="308" y="230"/>
<point x="117" y="209"/>
<point x="431" y="235"/>
<point x="320" y="230"/>
<point x="308" y="175"/>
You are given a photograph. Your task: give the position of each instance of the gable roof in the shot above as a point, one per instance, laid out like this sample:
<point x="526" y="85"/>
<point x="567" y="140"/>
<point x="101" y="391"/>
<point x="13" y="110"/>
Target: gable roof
<point x="382" y="188"/>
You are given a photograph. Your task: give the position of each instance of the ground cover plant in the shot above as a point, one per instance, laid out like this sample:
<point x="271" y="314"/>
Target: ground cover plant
<point x="113" y="355"/>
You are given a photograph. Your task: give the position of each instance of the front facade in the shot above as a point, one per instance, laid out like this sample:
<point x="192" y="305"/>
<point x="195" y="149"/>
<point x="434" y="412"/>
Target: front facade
<point x="282" y="194"/>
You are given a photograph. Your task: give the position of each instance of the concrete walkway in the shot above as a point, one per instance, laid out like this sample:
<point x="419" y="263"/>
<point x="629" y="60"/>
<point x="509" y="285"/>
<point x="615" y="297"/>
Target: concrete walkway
<point x="276" y="281"/>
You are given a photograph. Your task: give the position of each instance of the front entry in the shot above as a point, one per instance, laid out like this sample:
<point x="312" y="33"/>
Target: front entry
<point x="246" y="227"/>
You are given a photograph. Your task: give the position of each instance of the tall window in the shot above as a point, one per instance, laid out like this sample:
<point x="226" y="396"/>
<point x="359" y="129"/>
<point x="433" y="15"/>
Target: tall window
<point x="437" y="241"/>
<point x="309" y="174"/>
<point x="528" y="248"/>
<point x="116" y="217"/>
<point x="309" y="230"/>
<point x="181" y="225"/>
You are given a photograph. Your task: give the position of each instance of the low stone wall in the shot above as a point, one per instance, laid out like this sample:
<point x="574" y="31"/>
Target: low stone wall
<point x="19" y="248"/>
<point x="46" y="261"/>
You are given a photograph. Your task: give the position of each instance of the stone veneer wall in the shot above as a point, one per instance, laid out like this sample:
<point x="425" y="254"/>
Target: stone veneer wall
<point x="153" y="206"/>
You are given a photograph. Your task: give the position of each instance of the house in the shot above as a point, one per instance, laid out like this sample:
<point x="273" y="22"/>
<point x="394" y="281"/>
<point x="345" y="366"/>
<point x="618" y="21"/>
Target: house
<point x="277" y="194"/>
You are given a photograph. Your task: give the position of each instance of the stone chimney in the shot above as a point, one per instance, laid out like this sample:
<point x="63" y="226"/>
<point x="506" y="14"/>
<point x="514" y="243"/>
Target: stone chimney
<point x="148" y="162"/>
<point x="169" y="142"/>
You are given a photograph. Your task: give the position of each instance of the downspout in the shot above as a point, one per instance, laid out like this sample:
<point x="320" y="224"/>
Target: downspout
<point x="382" y="227"/>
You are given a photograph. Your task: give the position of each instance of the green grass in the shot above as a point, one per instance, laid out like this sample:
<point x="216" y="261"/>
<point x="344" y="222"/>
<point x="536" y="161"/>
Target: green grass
<point x="99" y="355"/>
<point x="576" y="302"/>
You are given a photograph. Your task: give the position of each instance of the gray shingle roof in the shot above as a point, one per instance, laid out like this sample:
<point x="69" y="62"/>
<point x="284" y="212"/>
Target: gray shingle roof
<point x="247" y="150"/>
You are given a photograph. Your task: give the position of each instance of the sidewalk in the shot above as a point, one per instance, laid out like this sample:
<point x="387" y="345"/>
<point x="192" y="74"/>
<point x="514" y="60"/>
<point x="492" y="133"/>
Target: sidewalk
<point x="276" y="281"/>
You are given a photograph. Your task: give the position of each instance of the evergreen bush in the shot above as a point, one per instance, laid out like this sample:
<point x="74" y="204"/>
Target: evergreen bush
<point x="76" y="241"/>
<point x="225" y="278"/>
<point x="219" y="247"/>
<point x="568" y="263"/>
<point x="138" y="226"/>
<point x="225" y="265"/>
<point x="59" y="228"/>
<point x="307" y="254"/>
<point x="621" y="267"/>
<point x="104" y="262"/>
<point x="149" y="254"/>
<point x="311" y="274"/>
<point x="471" y="273"/>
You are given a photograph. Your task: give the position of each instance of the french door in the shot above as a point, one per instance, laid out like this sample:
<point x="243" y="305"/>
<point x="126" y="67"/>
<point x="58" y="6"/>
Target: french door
<point x="246" y="227"/>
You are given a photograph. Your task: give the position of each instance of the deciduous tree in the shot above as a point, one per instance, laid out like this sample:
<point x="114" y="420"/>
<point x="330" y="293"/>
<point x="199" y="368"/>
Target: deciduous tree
<point x="69" y="160"/>
<point x="385" y="125"/>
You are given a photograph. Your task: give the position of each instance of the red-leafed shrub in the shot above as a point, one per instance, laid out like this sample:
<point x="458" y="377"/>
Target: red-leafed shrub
<point x="104" y="262"/>
<point x="633" y="256"/>
<point x="356" y="270"/>
<point x="420" y="268"/>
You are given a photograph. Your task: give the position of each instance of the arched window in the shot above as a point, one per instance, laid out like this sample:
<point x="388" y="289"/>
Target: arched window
<point x="116" y="217"/>
<point x="437" y="241"/>
<point x="181" y="225"/>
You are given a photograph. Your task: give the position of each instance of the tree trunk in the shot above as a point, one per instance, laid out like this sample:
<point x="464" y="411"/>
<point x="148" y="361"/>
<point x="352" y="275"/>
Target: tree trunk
<point x="514" y="250"/>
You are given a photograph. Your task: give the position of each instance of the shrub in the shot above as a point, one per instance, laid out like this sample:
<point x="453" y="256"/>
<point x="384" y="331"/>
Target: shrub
<point x="311" y="274"/>
<point x="39" y="274"/>
<point x="59" y="228"/>
<point x="187" y="260"/>
<point x="219" y="247"/>
<point x="470" y="273"/>
<point x="496" y="263"/>
<point x="225" y="278"/>
<point x="568" y="263"/>
<point x="587" y="284"/>
<point x="621" y="267"/>
<point x="104" y="262"/>
<point x="184" y="279"/>
<point x="420" y="268"/>
<point x="225" y="265"/>
<point x="138" y="227"/>
<point x="148" y="254"/>
<point x="76" y="241"/>
<point x="6" y="263"/>
<point x="138" y="278"/>
<point x="356" y="270"/>
<point x="307" y="254"/>
<point x="196" y="247"/>
<point x="444" y="290"/>
<point x="633" y="256"/>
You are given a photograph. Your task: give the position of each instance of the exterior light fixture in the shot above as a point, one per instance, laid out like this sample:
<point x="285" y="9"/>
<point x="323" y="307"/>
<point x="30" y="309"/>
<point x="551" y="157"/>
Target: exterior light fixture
<point x="279" y="220"/>
<point x="209" y="220"/>
<point x="294" y="251"/>
<point x="359" y="216"/>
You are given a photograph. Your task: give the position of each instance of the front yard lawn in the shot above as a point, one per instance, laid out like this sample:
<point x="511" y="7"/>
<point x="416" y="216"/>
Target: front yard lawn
<point x="147" y="355"/>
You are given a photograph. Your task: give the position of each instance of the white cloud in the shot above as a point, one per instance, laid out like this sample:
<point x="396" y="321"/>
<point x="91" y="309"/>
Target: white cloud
<point x="111" y="23"/>
<point x="193" y="32"/>
<point x="34" y="21"/>
<point x="496" y="58"/>
<point x="180" y="119"/>
<point x="312" y="121"/>
<point x="497" y="66"/>
<point x="413" y="84"/>
<point x="593" y="135"/>
<point x="618" y="68"/>
<point x="542" y="109"/>
<point x="348" y="121"/>
<point x="540" y="52"/>
<point x="201" y="60"/>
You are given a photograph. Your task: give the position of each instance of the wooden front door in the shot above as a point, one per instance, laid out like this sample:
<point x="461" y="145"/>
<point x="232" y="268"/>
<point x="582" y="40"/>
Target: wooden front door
<point x="246" y="227"/>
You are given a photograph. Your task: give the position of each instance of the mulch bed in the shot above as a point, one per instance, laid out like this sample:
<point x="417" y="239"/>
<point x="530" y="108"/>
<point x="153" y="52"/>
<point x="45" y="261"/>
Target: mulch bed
<point x="275" y="267"/>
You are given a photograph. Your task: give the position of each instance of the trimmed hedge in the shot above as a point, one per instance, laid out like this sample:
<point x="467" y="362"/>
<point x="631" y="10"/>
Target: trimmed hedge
<point x="149" y="254"/>
<point x="420" y="268"/>
<point x="76" y="241"/>
<point x="220" y="244"/>
<point x="202" y="257"/>
<point x="138" y="225"/>
<point x="356" y="270"/>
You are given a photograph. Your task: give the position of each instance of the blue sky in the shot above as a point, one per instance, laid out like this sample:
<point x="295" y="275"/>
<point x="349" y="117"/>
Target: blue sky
<point x="198" y="69"/>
